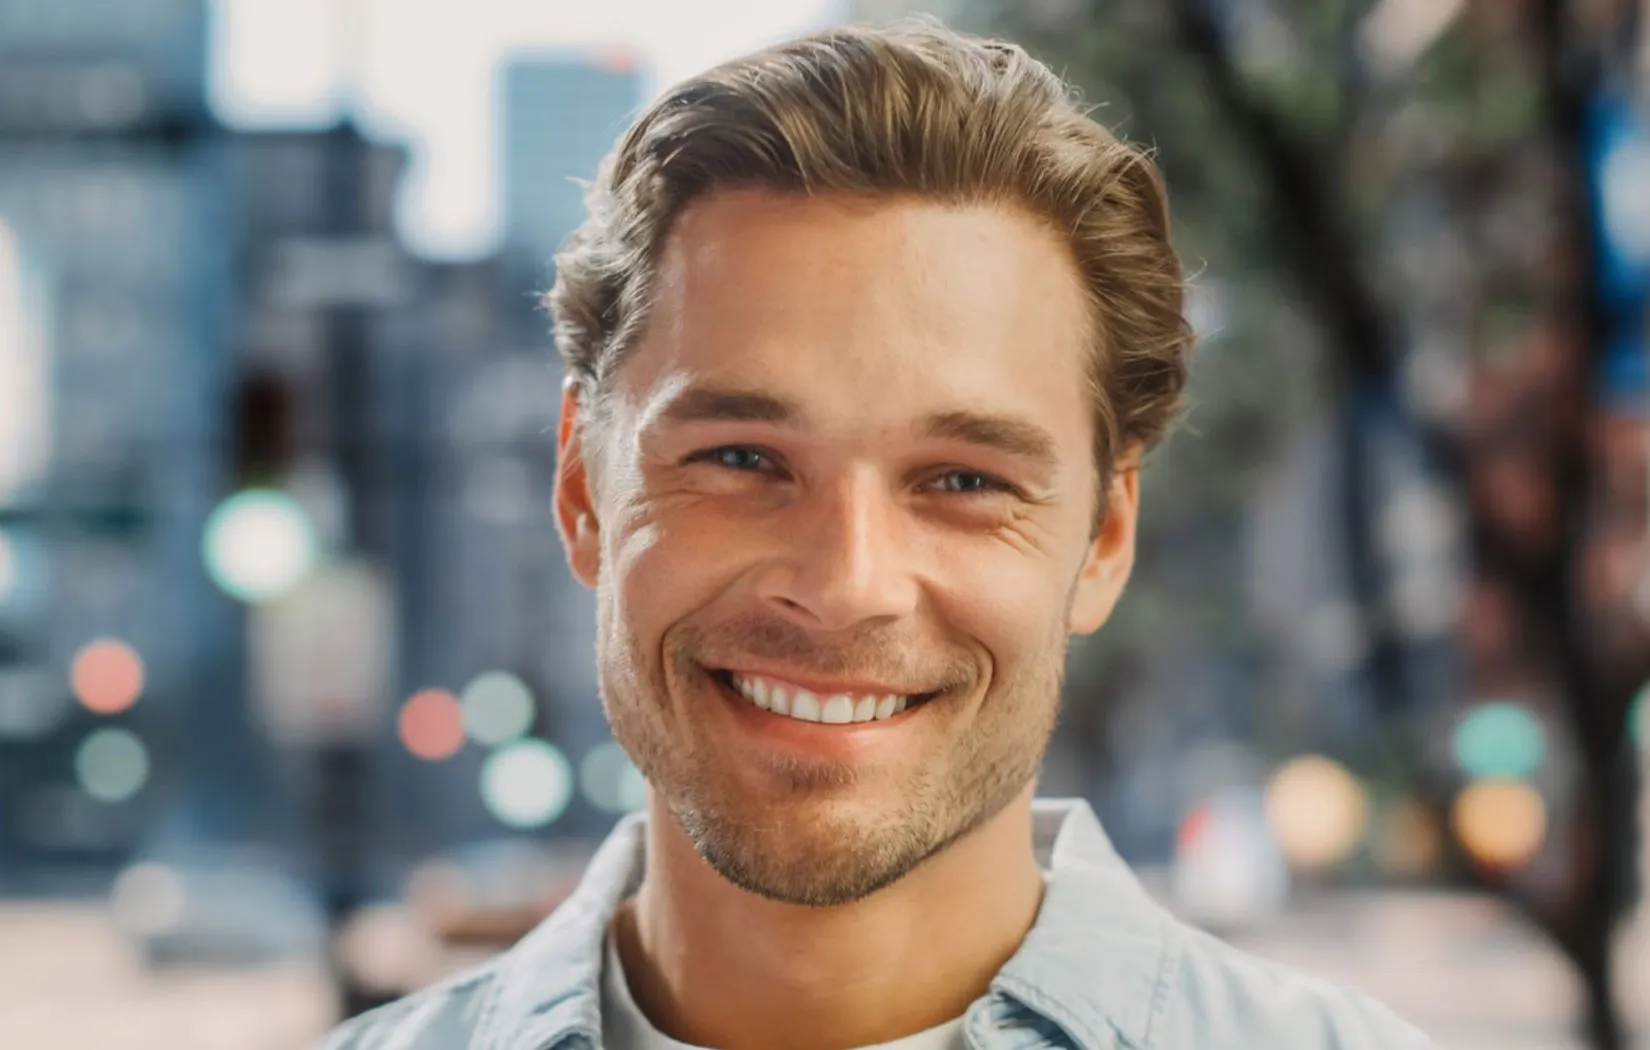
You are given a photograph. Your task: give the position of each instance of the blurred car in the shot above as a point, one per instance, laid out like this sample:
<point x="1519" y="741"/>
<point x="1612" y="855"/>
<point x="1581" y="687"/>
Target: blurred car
<point x="489" y="894"/>
<point x="217" y="906"/>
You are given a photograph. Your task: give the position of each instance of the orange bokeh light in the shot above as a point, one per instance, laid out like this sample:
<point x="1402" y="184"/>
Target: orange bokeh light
<point x="431" y="725"/>
<point x="107" y="676"/>
<point x="1502" y="823"/>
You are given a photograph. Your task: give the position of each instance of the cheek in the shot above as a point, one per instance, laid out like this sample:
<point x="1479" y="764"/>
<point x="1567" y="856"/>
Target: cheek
<point x="1005" y="601"/>
<point x="664" y="568"/>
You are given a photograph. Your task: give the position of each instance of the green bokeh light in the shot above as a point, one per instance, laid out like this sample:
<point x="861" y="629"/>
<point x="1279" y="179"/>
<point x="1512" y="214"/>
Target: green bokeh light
<point x="498" y="708"/>
<point x="1499" y="740"/>
<point x="112" y="764"/>
<point x="527" y="784"/>
<point x="258" y="543"/>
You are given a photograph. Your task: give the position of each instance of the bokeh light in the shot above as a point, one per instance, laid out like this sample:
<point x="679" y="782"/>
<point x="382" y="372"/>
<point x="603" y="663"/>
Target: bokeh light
<point x="610" y="781"/>
<point x="148" y="899"/>
<point x="527" y="784"/>
<point x="431" y="725"/>
<point x="497" y="708"/>
<point x="1316" y="810"/>
<point x="258" y="544"/>
<point x="111" y="764"/>
<point x="1501" y="823"/>
<point x="1623" y="173"/>
<point x="1499" y="740"/>
<point x="107" y="676"/>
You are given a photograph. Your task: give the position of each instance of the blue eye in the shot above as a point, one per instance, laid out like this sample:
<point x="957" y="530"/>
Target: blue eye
<point x="970" y="481"/>
<point x="739" y="458"/>
<point x="734" y="457"/>
<point x="747" y="460"/>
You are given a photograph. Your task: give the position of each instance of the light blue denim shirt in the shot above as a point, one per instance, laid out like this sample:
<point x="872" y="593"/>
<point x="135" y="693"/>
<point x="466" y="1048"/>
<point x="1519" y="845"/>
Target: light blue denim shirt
<point x="1103" y="968"/>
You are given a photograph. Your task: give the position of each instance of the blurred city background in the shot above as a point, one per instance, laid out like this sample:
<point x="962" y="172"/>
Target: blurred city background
<point x="297" y="704"/>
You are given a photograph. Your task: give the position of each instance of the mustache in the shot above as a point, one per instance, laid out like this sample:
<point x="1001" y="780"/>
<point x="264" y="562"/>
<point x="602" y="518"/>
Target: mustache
<point x="872" y="654"/>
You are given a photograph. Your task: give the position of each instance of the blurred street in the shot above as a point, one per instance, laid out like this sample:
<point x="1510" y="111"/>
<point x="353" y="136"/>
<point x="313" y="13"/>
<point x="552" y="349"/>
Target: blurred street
<point x="1452" y="964"/>
<point x="68" y="981"/>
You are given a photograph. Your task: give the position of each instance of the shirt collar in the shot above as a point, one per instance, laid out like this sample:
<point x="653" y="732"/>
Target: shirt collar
<point x="1095" y="962"/>
<point x="548" y="987"/>
<point x="1097" y="959"/>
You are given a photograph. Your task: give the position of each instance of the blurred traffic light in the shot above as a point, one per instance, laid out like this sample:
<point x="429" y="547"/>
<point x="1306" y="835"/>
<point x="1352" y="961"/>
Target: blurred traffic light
<point x="259" y="542"/>
<point x="263" y="429"/>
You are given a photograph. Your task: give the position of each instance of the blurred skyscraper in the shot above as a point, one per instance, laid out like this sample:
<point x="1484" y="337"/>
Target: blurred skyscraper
<point x="79" y="67"/>
<point x="561" y="115"/>
<point x="156" y="263"/>
<point x="104" y="191"/>
<point x="188" y="312"/>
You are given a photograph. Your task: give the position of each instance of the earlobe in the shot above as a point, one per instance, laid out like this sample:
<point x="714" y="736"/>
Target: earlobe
<point x="1109" y="559"/>
<point x="576" y="518"/>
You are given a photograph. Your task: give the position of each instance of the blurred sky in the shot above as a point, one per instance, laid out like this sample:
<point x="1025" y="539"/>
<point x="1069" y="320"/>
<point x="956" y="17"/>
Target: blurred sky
<point x="423" y="71"/>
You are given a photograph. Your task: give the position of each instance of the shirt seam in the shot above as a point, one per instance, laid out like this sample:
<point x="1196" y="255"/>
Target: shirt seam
<point x="1168" y="966"/>
<point x="489" y="1012"/>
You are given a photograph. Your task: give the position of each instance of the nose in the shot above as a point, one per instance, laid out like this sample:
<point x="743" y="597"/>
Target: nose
<point x="847" y="559"/>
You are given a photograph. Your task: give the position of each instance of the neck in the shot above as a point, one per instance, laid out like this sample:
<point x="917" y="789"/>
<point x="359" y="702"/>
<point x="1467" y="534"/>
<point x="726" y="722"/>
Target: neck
<point x="714" y="965"/>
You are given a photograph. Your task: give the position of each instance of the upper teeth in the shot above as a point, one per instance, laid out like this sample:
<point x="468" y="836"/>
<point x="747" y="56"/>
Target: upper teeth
<point x="793" y="701"/>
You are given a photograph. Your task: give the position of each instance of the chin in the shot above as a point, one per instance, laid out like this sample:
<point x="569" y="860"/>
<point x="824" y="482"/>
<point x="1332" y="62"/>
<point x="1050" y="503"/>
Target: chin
<point x="818" y="852"/>
<point x="820" y="872"/>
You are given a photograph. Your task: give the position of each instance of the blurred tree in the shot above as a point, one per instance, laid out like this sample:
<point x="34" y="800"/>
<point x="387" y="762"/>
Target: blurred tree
<point x="1411" y="180"/>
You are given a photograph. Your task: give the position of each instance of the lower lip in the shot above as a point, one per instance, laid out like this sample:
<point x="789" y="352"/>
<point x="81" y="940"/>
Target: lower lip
<point x="842" y="741"/>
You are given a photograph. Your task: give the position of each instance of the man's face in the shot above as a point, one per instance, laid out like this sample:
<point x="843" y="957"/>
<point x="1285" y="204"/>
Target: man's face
<point x="850" y="461"/>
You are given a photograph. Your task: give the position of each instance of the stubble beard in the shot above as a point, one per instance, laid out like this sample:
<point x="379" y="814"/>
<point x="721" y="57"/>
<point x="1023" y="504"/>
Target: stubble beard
<point x="814" y="842"/>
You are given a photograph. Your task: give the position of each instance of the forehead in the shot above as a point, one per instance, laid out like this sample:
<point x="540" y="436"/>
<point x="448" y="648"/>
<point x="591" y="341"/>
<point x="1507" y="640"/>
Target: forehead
<point x="870" y="310"/>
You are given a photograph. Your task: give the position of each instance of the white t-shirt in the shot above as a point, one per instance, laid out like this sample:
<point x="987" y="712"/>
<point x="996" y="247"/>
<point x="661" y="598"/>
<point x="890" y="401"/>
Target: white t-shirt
<point x="624" y="1027"/>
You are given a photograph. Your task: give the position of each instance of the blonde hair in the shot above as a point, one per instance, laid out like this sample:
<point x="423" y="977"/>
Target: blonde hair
<point x="913" y="110"/>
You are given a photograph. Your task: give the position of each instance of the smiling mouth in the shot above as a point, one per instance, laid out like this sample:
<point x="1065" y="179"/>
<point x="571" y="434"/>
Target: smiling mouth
<point x="791" y="701"/>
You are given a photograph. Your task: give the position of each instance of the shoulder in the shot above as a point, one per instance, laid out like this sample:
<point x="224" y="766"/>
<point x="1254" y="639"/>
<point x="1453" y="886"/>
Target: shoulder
<point x="440" y="1017"/>
<point x="1220" y="996"/>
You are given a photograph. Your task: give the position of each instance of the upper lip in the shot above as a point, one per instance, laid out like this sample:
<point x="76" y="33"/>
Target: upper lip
<point x="824" y="687"/>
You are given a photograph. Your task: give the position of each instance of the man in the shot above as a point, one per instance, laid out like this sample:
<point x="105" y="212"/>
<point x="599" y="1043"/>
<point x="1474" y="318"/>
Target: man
<point x="865" y="336"/>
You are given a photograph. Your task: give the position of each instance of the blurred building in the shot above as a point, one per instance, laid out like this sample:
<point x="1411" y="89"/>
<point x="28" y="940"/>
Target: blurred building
<point x="190" y="311"/>
<point x="79" y="67"/>
<point x="561" y="115"/>
<point x="501" y="593"/>
<point x="104" y="182"/>
<point x="421" y="441"/>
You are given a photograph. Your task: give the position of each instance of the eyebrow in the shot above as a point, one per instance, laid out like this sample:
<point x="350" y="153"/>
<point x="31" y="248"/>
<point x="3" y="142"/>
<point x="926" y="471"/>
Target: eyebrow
<point x="702" y="404"/>
<point x="1016" y="437"/>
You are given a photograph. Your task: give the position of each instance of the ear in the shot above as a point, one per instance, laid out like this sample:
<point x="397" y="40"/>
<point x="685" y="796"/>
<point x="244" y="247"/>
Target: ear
<point x="575" y="500"/>
<point x="1110" y="557"/>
